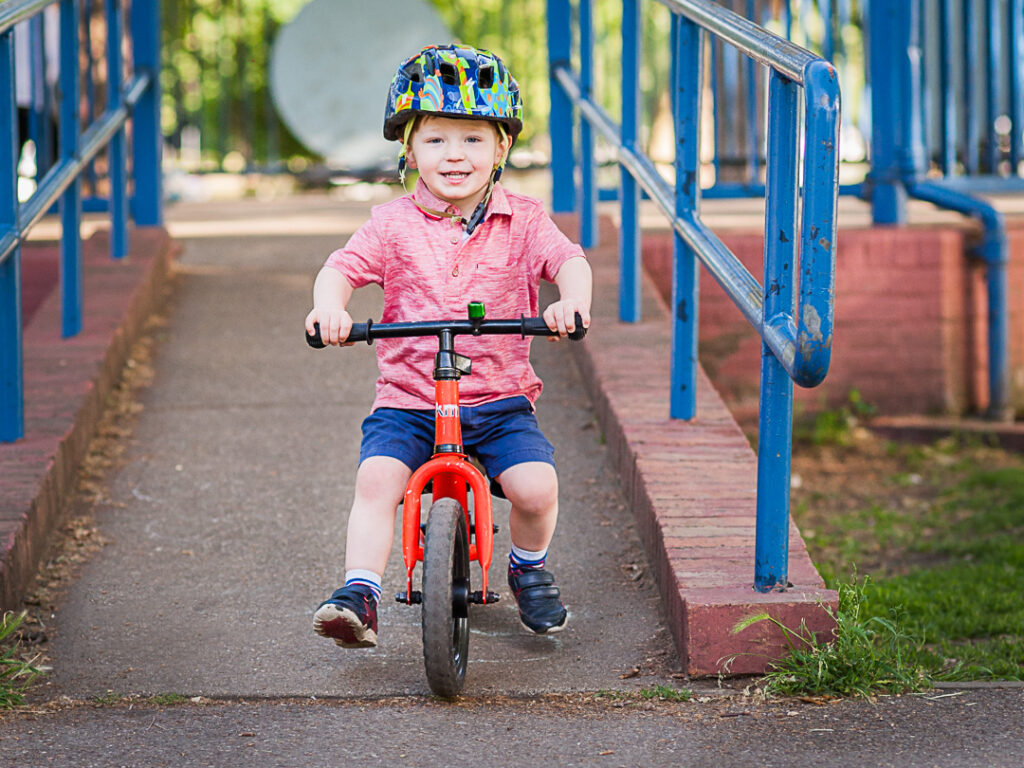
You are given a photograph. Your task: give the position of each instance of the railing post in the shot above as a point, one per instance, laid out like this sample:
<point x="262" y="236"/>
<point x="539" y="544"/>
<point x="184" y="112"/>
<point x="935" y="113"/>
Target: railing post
<point x="563" y="184"/>
<point x="630" y="258"/>
<point x="1016" y="56"/>
<point x="588" y="167"/>
<point x="71" y="200"/>
<point x="897" y="134"/>
<point x="116" y="148"/>
<point x="688" y="84"/>
<point x="147" y="143"/>
<point x="775" y="431"/>
<point x="993" y="93"/>
<point x="12" y="408"/>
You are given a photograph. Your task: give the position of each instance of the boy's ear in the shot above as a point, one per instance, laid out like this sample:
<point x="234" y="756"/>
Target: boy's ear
<point x="501" y="150"/>
<point x="410" y="158"/>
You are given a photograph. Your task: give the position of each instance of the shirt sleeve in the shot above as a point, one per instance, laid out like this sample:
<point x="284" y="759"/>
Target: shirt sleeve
<point x="548" y="246"/>
<point x="361" y="259"/>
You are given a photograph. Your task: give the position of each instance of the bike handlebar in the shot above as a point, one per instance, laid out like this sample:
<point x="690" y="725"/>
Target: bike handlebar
<point x="524" y="326"/>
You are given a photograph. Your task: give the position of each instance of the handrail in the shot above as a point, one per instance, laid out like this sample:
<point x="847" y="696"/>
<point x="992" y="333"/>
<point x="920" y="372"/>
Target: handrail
<point x="136" y="98"/>
<point x="761" y="45"/>
<point x="793" y="309"/>
<point x="63" y="174"/>
<point x="807" y="368"/>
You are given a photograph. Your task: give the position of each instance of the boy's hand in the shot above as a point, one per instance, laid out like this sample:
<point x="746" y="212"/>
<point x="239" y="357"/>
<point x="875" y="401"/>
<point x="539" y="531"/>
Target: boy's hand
<point x="335" y="325"/>
<point x="561" y="316"/>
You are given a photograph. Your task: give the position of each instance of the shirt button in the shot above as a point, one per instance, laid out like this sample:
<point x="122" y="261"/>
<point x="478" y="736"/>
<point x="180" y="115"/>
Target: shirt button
<point x="455" y="272"/>
<point x="455" y="239"/>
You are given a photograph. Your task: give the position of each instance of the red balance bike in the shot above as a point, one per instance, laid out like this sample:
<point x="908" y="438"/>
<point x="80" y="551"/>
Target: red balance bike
<point x="456" y="531"/>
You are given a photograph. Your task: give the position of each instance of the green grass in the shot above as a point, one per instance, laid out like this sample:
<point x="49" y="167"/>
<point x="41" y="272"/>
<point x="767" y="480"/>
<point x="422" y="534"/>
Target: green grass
<point x="16" y="673"/>
<point x="666" y="693"/>
<point x="948" y="571"/>
<point x="866" y="656"/>
<point x="657" y="693"/>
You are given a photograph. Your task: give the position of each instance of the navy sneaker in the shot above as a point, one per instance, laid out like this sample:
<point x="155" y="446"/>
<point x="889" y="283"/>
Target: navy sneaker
<point x="540" y="606"/>
<point x="349" y="617"/>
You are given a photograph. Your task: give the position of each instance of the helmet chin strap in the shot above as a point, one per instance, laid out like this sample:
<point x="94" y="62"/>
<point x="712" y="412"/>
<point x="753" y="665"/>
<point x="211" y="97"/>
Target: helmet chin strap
<point x="471" y="223"/>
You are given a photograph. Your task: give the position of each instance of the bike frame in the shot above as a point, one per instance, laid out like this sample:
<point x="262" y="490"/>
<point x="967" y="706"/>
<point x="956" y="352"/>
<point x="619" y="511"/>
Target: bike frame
<point x="452" y="475"/>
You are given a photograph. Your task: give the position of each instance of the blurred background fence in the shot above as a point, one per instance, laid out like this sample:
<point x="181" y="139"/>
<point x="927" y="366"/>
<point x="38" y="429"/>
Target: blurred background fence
<point x="218" y="114"/>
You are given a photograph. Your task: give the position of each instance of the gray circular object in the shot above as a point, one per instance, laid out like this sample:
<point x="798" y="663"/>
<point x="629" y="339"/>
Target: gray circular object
<point x="331" y="67"/>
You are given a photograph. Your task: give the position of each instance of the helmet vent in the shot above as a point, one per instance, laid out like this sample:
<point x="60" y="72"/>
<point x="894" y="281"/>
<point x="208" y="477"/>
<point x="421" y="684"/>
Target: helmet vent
<point x="485" y="77"/>
<point x="414" y="72"/>
<point x="448" y="74"/>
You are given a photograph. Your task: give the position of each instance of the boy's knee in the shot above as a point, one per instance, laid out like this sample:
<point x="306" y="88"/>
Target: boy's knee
<point x="382" y="476"/>
<point x="531" y="487"/>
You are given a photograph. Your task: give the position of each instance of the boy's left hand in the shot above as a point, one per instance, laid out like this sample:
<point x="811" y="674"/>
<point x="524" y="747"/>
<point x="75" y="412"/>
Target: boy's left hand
<point x="561" y="316"/>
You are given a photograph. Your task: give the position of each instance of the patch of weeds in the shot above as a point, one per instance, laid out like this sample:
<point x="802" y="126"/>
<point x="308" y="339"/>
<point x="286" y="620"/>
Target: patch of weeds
<point x="666" y="693"/>
<point x="16" y="672"/>
<point x="613" y="695"/>
<point x="867" y="654"/>
<point x="108" y="699"/>
<point x="657" y="693"/>
<point x="167" y="699"/>
<point x="834" y="427"/>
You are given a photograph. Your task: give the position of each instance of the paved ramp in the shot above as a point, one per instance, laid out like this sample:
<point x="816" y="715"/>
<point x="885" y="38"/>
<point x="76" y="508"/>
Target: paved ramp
<point x="227" y="519"/>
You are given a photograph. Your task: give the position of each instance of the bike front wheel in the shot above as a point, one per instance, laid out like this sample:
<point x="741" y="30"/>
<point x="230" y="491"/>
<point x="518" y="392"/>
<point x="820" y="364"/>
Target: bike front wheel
<point x="446" y="598"/>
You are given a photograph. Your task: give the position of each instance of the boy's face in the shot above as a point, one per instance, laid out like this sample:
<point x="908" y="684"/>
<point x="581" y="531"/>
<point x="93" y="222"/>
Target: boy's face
<point x="455" y="158"/>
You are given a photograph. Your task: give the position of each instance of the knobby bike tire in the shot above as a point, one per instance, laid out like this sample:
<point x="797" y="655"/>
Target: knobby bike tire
<point x="445" y="598"/>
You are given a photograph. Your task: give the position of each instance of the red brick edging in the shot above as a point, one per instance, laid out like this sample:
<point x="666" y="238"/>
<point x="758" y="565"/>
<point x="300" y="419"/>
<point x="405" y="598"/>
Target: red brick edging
<point x="66" y="385"/>
<point x="692" y="487"/>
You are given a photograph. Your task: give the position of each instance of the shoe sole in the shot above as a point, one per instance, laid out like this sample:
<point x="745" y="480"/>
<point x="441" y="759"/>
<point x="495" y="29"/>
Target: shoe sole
<point x="343" y="627"/>
<point x="549" y="630"/>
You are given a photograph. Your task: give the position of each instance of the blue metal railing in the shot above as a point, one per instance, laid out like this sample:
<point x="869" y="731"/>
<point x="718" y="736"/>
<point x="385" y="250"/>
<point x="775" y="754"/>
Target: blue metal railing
<point x="801" y="182"/>
<point x="738" y="89"/>
<point x="948" y="125"/>
<point x="136" y="96"/>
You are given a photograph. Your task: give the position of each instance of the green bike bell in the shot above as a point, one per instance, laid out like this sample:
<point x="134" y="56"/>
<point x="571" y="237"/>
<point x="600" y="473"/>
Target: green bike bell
<point x="476" y="310"/>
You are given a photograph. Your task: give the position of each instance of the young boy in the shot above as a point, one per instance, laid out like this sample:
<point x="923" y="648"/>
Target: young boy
<point x="459" y="237"/>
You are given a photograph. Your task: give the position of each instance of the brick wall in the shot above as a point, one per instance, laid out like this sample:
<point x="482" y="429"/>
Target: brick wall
<point x="910" y="329"/>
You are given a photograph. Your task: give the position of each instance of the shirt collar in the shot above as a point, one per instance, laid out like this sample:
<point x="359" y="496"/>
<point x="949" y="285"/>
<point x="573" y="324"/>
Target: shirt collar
<point x="499" y="203"/>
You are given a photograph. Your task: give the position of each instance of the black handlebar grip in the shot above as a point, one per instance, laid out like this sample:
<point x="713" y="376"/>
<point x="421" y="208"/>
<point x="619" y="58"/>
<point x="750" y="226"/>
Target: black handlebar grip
<point x="313" y="339"/>
<point x="358" y="333"/>
<point x="580" y="331"/>
<point x="535" y="326"/>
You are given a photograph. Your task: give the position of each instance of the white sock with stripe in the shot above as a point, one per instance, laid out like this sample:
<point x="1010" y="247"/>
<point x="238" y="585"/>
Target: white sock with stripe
<point x="525" y="558"/>
<point x="364" y="578"/>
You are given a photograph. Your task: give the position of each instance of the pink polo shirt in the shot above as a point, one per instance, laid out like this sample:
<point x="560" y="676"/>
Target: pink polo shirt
<point x="429" y="271"/>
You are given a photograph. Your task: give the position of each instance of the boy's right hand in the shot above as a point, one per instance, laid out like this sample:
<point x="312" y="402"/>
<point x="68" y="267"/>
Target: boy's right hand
<point x="335" y="325"/>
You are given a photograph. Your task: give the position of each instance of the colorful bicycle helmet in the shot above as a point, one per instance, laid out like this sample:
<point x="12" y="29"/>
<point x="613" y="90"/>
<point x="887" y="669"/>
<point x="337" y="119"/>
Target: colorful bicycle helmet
<point x="453" y="81"/>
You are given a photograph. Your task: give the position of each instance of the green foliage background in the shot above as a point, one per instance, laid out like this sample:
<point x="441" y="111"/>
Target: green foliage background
<point x="217" y="52"/>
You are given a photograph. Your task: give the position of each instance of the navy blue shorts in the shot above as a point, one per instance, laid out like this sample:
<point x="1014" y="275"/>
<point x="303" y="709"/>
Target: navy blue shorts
<point x="500" y="434"/>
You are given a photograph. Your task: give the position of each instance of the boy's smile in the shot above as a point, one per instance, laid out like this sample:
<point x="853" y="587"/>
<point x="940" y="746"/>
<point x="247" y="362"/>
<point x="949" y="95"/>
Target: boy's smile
<point x="455" y="158"/>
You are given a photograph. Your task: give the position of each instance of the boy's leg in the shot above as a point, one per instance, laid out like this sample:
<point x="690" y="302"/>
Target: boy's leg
<point x="349" y="616"/>
<point x="380" y="485"/>
<point x="532" y="488"/>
